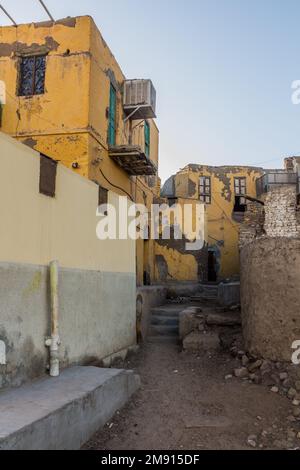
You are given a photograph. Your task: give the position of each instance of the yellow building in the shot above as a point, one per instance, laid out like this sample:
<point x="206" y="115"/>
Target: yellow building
<point x="67" y="97"/>
<point x="221" y="189"/>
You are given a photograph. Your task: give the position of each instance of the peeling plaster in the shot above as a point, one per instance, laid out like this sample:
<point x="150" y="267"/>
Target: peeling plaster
<point x="7" y="49"/>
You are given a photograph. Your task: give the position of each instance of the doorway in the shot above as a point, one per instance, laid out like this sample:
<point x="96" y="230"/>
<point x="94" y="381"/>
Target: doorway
<point x="211" y="267"/>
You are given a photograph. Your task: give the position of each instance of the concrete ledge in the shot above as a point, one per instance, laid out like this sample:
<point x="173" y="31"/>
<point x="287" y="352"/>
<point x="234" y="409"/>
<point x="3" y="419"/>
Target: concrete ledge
<point x="63" y="413"/>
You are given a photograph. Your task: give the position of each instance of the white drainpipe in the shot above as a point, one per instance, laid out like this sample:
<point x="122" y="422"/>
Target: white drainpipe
<point x="54" y="342"/>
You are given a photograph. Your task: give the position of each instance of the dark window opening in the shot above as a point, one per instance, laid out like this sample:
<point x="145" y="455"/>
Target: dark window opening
<point x="102" y="196"/>
<point x="240" y="190"/>
<point x="211" y="267"/>
<point x="48" y="169"/>
<point x="147" y="139"/>
<point x="240" y="204"/>
<point x="205" y="189"/>
<point x="103" y="199"/>
<point x="32" y="75"/>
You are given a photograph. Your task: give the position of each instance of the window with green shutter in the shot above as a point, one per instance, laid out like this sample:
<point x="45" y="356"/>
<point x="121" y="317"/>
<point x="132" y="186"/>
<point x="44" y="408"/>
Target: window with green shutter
<point x="112" y="116"/>
<point x="147" y="139"/>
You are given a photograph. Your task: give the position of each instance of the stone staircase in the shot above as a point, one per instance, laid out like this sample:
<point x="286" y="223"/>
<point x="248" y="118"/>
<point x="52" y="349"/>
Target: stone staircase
<point x="164" y="325"/>
<point x="208" y="292"/>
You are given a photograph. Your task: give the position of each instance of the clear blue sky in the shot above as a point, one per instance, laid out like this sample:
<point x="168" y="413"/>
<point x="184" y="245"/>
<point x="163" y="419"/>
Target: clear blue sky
<point x="222" y="69"/>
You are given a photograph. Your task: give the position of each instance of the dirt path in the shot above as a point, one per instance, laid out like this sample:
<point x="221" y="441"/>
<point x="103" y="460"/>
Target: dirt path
<point x="186" y="403"/>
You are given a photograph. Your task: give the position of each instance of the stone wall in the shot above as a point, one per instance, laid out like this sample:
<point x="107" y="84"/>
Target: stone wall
<point x="280" y="213"/>
<point x="270" y="275"/>
<point x="253" y="224"/>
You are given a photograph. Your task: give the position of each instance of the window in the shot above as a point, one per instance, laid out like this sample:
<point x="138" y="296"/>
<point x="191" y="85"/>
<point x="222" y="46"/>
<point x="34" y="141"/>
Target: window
<point x="47" y="176"/>
<point x="205" y="189"/>
<point x="112" y="116"/>
<point x="240" y="190"/>
<point x="102" y="196"/>
<point x="147" y="139"/>
<point x="32" y="75"/>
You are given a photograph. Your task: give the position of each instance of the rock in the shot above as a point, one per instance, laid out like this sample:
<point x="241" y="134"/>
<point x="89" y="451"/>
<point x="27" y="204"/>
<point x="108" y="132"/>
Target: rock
<point x="266" y="366"/>
<point x="291" y="393"/>
<point x="296" y="412"/>
<point x="291" y="419"/>
<point x="257" y="379"/>
<point x="189" y="320"/>
<point x="275" y="379"/>
<point x="223" y="319"/>
<point x="228" y="377"/>
<point x="252" y="377"/>
<point x="252" y="440"/>
<point x="254" y="365"/>
<point x="245" y="360"/>
<point x="297" y="385"/>
<point x="233" y="351"/>
<point x="291" y="434"/>
<point x="283" y="376"/>
<point x="240" y="354"/>
<point x="287" y="383"/>
<point x="298" y="435"/>
<point x="199" y="342"/>
<point x="230" y="338"/>
<point x="296" y="402"/>
<point x="275" y="389"/>
<point x="241" y="373"/>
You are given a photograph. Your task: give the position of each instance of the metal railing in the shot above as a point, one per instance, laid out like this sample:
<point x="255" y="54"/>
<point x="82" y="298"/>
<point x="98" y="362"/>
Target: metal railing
<point x="270" y="180"/>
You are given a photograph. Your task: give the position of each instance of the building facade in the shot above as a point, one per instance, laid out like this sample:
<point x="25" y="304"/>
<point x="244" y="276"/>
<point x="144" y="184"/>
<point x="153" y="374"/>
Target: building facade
<point x="222" y="190"/>
<point x="65" y="98"/>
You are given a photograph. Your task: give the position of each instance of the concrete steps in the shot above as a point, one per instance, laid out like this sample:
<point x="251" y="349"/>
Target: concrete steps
<point x="165" y="320"/>
<point x="165" y="323"/>
<point x="62" y="413"/>
<point x="164" y="330"/>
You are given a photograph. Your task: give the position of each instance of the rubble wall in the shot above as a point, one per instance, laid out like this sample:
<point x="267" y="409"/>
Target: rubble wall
<point x="270" y="292"/>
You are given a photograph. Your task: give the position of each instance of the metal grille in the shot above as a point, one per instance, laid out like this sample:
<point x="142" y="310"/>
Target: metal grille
<point x="32" y="75"/>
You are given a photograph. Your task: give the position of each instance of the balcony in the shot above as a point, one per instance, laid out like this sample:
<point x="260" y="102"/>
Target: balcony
<point x="133" y="160"/>
<point x="273" y="179"/>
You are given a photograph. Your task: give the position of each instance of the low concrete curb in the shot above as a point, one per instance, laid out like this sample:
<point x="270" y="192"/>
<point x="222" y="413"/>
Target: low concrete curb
<point x="63" y="412"/>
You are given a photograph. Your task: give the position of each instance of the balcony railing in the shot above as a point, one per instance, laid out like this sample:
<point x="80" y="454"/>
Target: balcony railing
<point x="132" y="159"/>
<point x="270" y="180"/>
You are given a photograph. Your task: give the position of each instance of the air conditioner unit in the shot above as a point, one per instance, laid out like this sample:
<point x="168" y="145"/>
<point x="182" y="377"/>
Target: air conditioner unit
<point x="139" y="96"/>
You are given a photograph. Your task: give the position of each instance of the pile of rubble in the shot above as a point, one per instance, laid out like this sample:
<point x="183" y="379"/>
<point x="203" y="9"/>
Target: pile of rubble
<point x="281" y="378"/>
<point x="199" y="328"/>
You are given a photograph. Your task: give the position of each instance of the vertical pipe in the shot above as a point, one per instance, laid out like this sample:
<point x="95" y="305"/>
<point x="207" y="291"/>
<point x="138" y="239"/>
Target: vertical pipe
<point x="55" y="341"/>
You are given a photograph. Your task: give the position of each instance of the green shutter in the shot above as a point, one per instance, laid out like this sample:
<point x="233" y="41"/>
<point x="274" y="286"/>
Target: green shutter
<point x="112" y="117"/>
<point x="147" y="139"/>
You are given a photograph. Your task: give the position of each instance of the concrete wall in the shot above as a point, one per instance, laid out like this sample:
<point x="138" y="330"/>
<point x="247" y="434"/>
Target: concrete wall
<point x="270" y="292"/>
<point x="94" y="321"/>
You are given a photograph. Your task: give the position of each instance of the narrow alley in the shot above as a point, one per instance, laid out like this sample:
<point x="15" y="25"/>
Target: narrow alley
<point x="192" y="401"/>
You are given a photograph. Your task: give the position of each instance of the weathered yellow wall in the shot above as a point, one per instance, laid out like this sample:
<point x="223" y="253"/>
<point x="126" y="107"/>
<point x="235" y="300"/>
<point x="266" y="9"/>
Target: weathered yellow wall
<point x="173" y="262"/>
<point x="38" y="229"/>
<point x="69" y="122"/>
<point x="222" y="228"/>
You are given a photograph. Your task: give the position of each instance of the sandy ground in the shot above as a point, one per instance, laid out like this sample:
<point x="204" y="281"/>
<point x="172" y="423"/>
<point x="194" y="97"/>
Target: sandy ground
<point x="186" y="403"/>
